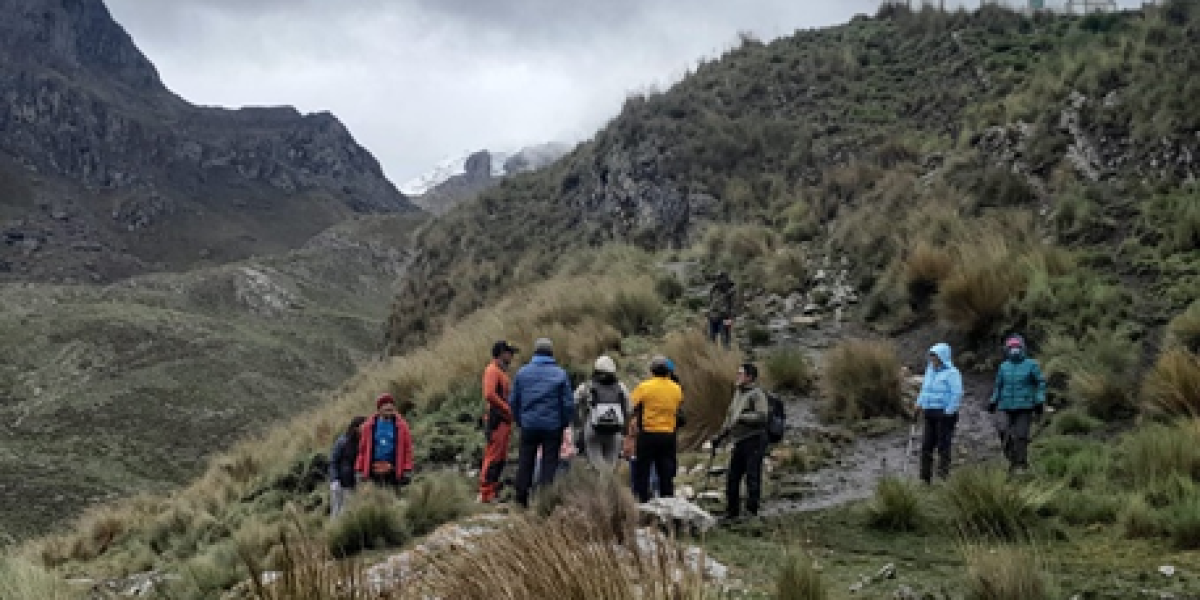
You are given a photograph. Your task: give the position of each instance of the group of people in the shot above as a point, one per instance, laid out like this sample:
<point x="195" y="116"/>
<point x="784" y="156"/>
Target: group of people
<point x="1019" y="396"/>
<point x="602" y="421"/>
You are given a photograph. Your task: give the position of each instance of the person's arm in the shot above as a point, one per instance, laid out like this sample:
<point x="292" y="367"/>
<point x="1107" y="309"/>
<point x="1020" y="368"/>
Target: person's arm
<point x="755" y="413"/>
<point x="406" y="447"/>
<point x="954" y="380"/>
<point x="567" y="398"/>
<point x="491" y="393"/>
<point x="335" y="457"/>
<point x="626" y="406"/>
<point x="996" y="389"/>
<point x="362" y="462"/>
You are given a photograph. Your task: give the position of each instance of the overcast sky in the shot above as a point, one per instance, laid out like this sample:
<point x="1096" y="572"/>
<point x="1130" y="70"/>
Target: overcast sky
<point x="420" y="80"/>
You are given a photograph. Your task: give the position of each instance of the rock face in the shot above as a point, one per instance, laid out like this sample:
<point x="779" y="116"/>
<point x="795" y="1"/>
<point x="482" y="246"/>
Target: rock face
<point x="96" y="153"/>
<point x="454" y="181"/>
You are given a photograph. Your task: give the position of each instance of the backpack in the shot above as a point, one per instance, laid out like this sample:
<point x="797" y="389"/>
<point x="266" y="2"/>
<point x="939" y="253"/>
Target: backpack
<point x="776" y="419"/>
<point x="607" y="415"/>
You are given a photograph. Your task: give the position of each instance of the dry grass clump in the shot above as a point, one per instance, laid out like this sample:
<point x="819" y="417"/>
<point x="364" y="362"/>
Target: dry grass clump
<point x="603" y="497"/>
<point x="1100" y="370"/>
<point x="799" y="579"/>
<point x="1184" y="330"/>
<point x="861" y="380"/>
<point x="1157" y="453"/>
<point x="434" y="500"/>
<point x="789" y="370"/>
<point x="896" y="506"/>
<point x="21" y="580"/>
<point x="1172" y="387"/>
<point x="1005" y="573"/>
<point x="988" y="275"/>
<point x="707" y="373"/>
<point x="983" y="503"/>
<point x="924" y="271"/>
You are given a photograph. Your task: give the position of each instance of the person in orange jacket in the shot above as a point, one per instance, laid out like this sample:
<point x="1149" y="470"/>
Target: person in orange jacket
<point x="497" y="420"/>
<point x="385" y="449"/>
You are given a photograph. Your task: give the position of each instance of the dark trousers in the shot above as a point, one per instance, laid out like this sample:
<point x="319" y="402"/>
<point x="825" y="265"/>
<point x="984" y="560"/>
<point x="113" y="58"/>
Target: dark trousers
<point x="718" y="330"/>
<point x="549" y="442"/>
<point x="939" y="434"/>
<point x="654" y="451"/>
<point x="387" y="480"/>
<point x="746" y="463"/>
<point x="1014" y="435"/>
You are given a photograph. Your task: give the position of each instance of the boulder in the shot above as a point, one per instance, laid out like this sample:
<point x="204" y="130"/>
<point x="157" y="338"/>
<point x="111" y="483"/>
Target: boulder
<point x="677" y="514"/>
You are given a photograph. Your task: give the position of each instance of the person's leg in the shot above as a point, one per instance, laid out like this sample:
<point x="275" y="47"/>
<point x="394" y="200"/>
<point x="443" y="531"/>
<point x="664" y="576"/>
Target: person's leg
<point x="495" y="458"/>
<point x="1022" y="423"/>
<point x="929" y="442"/>
<point x="610" y="452"/>
<point x="551" y="443"/>
<point x="336" y="497"/>
<point x="1003" y="426"/>
<point x="726" y="334"/>
<point x="664" y="464"/>
<point x="733" y="481"/>
<point x="641" y="470"/>
<point x="526" y="458"/>
<point x="754" y="463"/>
<point x="945" y="444"/>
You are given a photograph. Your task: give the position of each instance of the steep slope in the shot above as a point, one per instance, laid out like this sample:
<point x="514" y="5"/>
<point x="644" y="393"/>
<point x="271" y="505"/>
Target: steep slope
<point x="105" y="173"/>
<point x="863" y="140"/>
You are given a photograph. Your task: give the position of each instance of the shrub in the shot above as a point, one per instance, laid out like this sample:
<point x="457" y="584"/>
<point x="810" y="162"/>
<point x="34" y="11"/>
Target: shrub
<point x="1075" y="462"/>
<point x="896" y="506"/>
<point x="669" y="287"/>
<point x="707" y="373"/>
<point x="787" y="271"/>
<point x="375" y="520"/>
<point x="1100" y="370"/>
<point x="1087" y="507"/>
<point x="861" y="380"/>
<point x="435" y="500"/>
<point x="1140" y="520"/>
<point x="1183" y="523"/>
<point x="975" y="297"/>
<point x="983" y="502"/>
<point x="1156" y="453"/>
<point x="758" y="336"/>
<point x="789" y="370"/>
<point x="1172" y="387"/>
<point x="609" y="504"/>
<point x="1184" y="330"/>
<point x="1005" y="573"/>
<point x="20" y="579"/>
<point x="799" y="579"/>
<point x="924" y="271"/>
<point x="635" y="312"/>
<point x="1074" y="422"/>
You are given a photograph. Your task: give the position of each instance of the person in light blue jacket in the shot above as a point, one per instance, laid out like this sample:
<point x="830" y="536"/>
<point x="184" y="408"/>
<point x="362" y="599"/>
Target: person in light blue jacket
<point x="941" y="396"/>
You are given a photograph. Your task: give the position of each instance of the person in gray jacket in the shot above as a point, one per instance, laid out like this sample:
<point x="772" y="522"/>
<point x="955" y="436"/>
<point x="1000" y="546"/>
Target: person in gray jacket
<point x="746" y="428"/>
<point x="341" y="467"/>
<point x="602" y="415"/>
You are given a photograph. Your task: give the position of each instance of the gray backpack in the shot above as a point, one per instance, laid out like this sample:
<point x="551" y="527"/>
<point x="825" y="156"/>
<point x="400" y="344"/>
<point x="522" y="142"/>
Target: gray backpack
<point x="607" y="409"/>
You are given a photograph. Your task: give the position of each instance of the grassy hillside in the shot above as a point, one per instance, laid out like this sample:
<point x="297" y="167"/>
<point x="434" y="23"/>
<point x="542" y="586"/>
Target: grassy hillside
<point x="110" y="390"/>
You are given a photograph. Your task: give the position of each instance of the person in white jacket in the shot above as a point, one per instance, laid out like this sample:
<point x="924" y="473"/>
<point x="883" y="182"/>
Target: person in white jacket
<point x="603" y="412"/>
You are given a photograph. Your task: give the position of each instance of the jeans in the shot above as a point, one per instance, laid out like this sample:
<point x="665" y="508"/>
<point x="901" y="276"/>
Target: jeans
<point x="746" y="463"/>
<point x="532" y="440"/>
<point x="717" y="329"/>
<point x="939" y="435"/>
<point x="654" y="451"/>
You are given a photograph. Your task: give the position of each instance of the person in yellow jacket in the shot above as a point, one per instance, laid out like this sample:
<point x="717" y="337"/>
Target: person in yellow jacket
<point x="656" y="403"/>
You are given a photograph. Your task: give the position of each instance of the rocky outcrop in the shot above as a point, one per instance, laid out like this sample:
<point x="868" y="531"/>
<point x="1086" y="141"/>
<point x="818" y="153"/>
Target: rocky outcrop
<point x="90" y="133"/>
<point x="454" y="182"/>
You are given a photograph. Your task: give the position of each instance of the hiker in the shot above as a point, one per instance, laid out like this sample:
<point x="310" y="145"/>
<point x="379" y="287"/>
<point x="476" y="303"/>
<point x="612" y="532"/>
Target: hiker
<point x="385" y="450"/>
<point x="542" y="405"/>
<point x="746" y="428"/>
<point x="939" y="400"/>
<point x="498" y="419"/>
<point x="566" y="452"/>
<point x="656" y="406"/>
<point x="721" y="300"/>
<point x="602" y="417"/>
<point x="341" y="467"/>
<point x="1020" y="394"/>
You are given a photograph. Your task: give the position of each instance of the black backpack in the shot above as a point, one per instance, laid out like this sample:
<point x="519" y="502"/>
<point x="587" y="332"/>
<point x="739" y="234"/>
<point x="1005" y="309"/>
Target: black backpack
<point x="776" y="419"/>
<point x="607" y="417"/>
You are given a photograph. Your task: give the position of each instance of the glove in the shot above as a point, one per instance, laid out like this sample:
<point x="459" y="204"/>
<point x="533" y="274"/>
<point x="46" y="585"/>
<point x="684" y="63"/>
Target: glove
<point x="406" y="478"/>
<point x="334" y="485"/>
<point x="991" y="408"/>
<point x="1038" y="409"/>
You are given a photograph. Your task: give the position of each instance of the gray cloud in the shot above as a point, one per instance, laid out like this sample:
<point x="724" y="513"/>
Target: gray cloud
<point x="418" y="80"/>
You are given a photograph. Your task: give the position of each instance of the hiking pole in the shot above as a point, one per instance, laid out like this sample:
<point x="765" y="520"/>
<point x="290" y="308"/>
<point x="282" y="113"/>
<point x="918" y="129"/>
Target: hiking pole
<point x="912" y="437"/>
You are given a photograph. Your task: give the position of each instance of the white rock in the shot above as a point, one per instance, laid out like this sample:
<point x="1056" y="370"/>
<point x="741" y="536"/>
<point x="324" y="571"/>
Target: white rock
<point x="672" y="512"/>
<point x="1167" y="570"/>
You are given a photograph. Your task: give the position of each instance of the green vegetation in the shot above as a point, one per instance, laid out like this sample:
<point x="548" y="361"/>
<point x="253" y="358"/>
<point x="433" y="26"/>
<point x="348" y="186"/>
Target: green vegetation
<point x="897" y="506"/>
<point x="983" y="502"/>
<point x="789" y="370"/>
<point x="861" y="380"/>
<point x="1005" y="573"/>
<point x="799" y="580"/>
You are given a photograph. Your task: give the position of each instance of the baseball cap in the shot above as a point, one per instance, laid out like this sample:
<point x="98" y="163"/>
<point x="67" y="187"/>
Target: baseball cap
<point x="501" y="347"/>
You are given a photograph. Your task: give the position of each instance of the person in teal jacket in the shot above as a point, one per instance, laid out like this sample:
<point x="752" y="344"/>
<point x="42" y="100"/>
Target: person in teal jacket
<point x="1020" y="394"/>
<point x="941" y="396"/>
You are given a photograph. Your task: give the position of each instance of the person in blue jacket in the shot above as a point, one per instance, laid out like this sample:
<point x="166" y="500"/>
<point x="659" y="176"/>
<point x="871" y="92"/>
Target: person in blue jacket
<point x="543" y="405"/>
<point x="1020" y="394"/>
<point x="941" y="396"/>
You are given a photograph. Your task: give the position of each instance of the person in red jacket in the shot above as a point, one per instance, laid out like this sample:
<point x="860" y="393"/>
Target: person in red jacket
<point x="385" y="452"/>
<point x="497" y="420"/>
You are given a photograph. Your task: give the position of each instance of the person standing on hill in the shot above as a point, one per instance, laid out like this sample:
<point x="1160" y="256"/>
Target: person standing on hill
<point x="722" y="302"/>
<point x="498" y="419"/>
<point x="385" y="448"/>
<point x="746" y="428"/>
<point x="941" y="395"/>
<point x="656" y="404"/>
<point x="542" y="405"/>
<point x="603" y="411"/>
<point x="1020" y="394"/>
<point x="341" y="467"/>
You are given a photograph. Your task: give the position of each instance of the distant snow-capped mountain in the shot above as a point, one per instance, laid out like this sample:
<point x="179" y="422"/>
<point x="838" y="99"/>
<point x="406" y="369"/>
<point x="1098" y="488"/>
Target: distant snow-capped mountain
<point x="457" y="178"/>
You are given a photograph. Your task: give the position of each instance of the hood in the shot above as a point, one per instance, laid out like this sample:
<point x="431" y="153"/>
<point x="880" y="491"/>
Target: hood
<point x="943" y="352"/>
<point x="1014" y="347"/>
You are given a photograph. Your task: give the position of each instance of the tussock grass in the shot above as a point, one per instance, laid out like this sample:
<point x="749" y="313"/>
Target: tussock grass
<point x="1183" y="522"/>
<point x="982" y="502"/>
<point x="376" y="519"/>
<point x="1140" y="520"/>
<point x="22" y="580"/>
<point x="1005" y="573"/>
<point x="707" y="373"/>
<point x="1172" y="387"/>
<point x="786" y="271"/>
<point x="789" y="370"/>
<point x="861" y="380"/>
<point x="1184" y="330"/>
<point x="669" y="287"/>
<point x="924" y="271"/>
<point x="988" y="275"/>
<point x="603" y="497"/>
<point x="799" y="579"/>
<point x="896" y="506"/>
<point x="1100" y="368"/>
<point x="1156" y="453"/>
<point x="636" y="312"/>
<point x="436" y="499"/>
<point x="1073" y="421"/>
